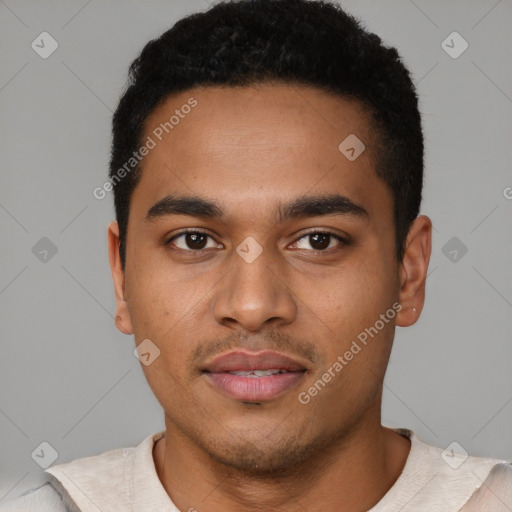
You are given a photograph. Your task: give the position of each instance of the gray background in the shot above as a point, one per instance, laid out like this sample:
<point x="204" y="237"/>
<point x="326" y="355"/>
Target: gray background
<point x="69" y="378"/>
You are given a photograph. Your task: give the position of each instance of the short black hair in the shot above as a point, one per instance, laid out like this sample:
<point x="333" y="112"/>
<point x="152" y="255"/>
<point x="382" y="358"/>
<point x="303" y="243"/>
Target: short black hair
<point x="304" y="42"/>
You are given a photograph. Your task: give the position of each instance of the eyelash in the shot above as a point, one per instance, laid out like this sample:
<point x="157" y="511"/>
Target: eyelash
<point x="343" y="241"/>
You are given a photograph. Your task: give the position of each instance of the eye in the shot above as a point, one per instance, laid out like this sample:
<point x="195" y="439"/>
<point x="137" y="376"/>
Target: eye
<point x="319" y="241"/>
<point x="193" y="241"/>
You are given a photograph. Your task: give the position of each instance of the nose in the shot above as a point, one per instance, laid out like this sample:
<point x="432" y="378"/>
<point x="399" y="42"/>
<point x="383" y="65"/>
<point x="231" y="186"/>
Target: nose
<point x="254" y="294"/>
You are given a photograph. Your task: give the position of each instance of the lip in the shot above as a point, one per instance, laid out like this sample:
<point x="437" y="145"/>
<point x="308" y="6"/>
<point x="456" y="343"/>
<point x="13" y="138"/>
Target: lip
<point x="253" y="389"/>
<point x="239" y="360"/>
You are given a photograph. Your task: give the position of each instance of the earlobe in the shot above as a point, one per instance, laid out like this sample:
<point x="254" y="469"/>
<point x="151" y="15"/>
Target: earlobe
<point x="413" y="271"/>
<point x="122" y="325"/>
<point x="122" y="318"/>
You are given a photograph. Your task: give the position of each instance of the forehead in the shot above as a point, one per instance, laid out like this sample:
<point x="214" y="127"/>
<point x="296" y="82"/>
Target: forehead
<point x="267" y="143"/>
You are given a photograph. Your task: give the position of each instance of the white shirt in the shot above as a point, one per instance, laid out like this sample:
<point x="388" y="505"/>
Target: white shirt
<point x="126" y="480"/>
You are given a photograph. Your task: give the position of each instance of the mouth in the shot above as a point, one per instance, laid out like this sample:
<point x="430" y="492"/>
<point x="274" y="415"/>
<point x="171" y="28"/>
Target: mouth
<point x="258" y="373"/>
<point x="254" y="377"/>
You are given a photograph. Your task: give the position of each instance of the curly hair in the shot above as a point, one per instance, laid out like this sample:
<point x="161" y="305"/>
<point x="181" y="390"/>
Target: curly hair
<point x="303" y="42"/>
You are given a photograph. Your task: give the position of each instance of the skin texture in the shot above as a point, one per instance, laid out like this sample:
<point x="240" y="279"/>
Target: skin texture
<point x="250" y="149"/>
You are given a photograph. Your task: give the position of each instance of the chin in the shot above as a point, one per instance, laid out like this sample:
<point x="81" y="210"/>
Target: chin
<point x="261" y="458"/>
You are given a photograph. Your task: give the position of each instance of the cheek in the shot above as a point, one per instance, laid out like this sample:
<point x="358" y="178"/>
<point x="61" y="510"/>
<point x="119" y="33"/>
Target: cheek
<point x="169" y="311"/>
<point x="346" y="309"/>
<point x="349" y="298"/>
<point x="357" y="355"/>
<point x="161" y="300"/>
<point x="162" y="314"/>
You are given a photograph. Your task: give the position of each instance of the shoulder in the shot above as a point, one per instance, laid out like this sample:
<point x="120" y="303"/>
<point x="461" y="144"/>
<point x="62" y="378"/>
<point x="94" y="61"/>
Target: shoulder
<point x="41" y="499"/>
<point x="99" y="475"/>
<point x="450" y="479"/>
<point x="68" y="484"/>
<point x="466" y="480"/>
<point x="455" y="466"/>
<point x="96" y="473"/>
<point x="495" y="492"/>
<point x="107" y="479"/>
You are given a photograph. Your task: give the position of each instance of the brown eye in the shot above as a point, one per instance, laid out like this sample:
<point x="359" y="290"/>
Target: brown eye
<point x="192" y="241"/>
<point x="319" y="241"/>
<point x="195" y="241"/>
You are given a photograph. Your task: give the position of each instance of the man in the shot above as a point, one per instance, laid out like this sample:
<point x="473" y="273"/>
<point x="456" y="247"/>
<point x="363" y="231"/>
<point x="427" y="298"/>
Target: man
<point x="267" y="167"/>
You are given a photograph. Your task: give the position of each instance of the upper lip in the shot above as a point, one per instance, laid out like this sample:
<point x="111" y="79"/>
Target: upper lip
<point x="247" y="361"/>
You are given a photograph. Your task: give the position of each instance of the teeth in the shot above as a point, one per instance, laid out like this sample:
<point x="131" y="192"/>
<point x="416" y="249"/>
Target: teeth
<point x="265" y="373"/>
<point x="257" y="373"/>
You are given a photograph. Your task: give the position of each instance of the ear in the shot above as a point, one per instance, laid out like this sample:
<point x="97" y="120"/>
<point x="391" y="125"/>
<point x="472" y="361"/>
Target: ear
<point x="413" y="271"/>
<point x="123" y="320"/>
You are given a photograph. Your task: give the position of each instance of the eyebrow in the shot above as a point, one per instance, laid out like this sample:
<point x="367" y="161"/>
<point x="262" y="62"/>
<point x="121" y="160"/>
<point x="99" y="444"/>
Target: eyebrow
<point x="305" y="206"/>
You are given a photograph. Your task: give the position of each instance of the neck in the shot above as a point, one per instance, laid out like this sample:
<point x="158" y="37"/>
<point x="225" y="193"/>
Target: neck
<point x="352" y="475"/>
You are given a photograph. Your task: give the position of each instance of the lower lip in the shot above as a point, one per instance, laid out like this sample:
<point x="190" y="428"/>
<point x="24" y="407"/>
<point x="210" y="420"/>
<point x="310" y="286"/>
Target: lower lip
<point x="254" y="389"/>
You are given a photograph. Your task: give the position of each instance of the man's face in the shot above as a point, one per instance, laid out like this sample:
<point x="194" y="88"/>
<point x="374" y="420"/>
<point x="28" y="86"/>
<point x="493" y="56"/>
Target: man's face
<point x="308" y="297"/>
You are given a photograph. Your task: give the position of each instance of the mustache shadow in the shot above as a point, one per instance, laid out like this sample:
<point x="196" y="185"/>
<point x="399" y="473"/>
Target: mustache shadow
<point x="271" y="340"/>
